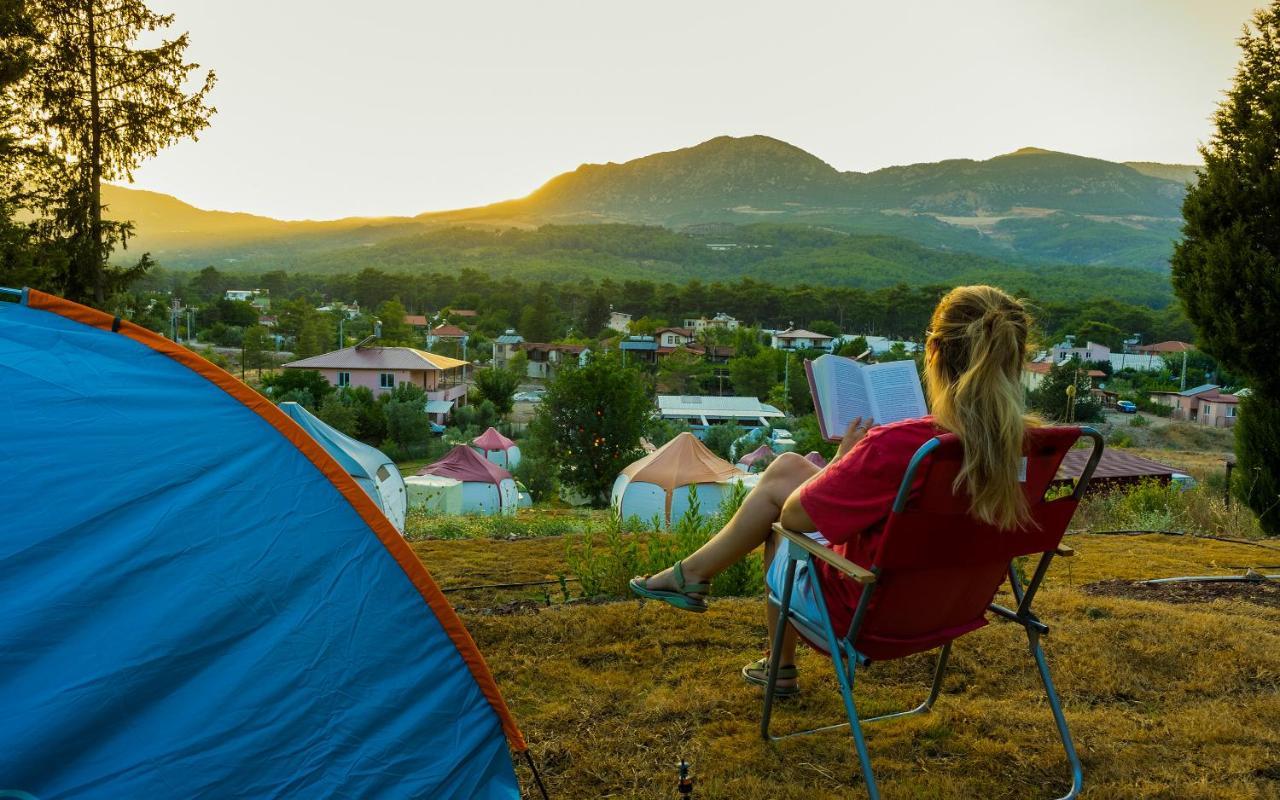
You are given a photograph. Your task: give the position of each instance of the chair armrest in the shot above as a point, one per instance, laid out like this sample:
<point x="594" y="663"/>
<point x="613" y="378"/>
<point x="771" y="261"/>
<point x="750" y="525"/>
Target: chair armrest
<point x="1064" y="551"/>
<point x="844" y="565"/>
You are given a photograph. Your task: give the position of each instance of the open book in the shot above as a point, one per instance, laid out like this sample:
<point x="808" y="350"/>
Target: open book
<point x="844" y="390"/>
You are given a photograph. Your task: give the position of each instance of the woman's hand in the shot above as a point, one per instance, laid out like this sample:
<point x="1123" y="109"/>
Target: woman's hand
<point x="852" y="436"/>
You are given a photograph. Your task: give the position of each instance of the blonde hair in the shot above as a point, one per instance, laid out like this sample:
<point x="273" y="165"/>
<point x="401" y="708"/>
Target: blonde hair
<point x="973" y="361"/>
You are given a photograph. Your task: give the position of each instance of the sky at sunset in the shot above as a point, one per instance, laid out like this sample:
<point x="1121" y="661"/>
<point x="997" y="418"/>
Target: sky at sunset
<point x="403" y="106"/>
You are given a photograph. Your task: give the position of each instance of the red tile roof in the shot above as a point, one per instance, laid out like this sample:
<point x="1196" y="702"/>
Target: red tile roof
<point x="461" y="312"/>
<point x="1114" y="464"/>
<point x="1165" y="347"/>
<point x="449" y="331"/>
<point x="416" y="320"/>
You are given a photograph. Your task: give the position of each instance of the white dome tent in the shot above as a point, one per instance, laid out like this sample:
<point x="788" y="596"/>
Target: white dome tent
<point x="497" y="448"/>
<point x="659" y="485"/>
<point x="486" y="487"/>
<point x="376" y="474"/>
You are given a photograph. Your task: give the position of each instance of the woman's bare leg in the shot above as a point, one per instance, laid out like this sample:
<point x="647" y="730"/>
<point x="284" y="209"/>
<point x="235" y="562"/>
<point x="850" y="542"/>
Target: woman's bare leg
<point x="771" y="614"/>
<point x="750" y="527"/>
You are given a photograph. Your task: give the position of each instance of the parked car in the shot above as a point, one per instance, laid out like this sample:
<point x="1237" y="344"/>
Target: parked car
<point x="531" y="396"/>
<point x="1127" y="407"/>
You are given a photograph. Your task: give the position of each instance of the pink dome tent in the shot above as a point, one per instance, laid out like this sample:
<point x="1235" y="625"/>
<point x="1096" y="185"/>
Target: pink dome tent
<point x="486" y="487"/>
<point x="497" y="448"/>
<point x="757" y="459"/>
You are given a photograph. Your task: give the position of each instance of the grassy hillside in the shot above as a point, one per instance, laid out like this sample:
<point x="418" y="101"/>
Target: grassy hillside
<point x="1165" y="700"/>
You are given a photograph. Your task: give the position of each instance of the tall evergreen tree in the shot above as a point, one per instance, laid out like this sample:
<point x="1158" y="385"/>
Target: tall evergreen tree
<point x="100" y="104"/>
<point x="1226" y="269"/>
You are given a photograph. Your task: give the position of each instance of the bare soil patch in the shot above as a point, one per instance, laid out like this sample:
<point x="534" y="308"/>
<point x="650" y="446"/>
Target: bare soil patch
<point x="1265" y="593"/>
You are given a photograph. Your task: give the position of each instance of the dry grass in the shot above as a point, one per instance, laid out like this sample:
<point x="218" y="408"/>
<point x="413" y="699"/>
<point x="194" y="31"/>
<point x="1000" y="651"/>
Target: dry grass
<point x="1167" y="701"/>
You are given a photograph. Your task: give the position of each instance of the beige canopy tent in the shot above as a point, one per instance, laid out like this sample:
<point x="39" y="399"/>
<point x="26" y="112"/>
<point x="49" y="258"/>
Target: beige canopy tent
<point x="659" y="485"/>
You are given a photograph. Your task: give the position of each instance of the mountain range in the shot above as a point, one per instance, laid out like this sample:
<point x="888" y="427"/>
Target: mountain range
<point x="1031" y="206"/>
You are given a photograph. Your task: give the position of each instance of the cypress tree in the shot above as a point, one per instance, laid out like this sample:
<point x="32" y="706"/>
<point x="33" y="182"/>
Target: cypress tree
<point x="1226" y="269"/>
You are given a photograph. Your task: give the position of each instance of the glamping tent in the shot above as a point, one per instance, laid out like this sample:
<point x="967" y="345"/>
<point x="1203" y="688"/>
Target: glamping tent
<point x="434" y="494"/>
<point x="659" y="484"/>
<point x="486" y="487"/>
<point x="373" y="471"/>
<point x="173" y="628"/>
<point x="815" y="458"/>
<point x="497" y="448"/>
<point x="757" y="459"/>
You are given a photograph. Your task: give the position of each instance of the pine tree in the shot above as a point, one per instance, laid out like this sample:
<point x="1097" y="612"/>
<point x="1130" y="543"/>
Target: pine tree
<point x="100" y="104"/>
<point x="1226" y="269"/>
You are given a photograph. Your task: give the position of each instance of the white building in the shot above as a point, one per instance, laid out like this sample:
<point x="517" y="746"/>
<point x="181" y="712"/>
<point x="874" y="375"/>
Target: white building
<point x="1092" y="351"/>
<point x="701" y="411"/>
<point x="721" y="320"/>
<point x="619" y="322"/>
<point x="800" y="339"/>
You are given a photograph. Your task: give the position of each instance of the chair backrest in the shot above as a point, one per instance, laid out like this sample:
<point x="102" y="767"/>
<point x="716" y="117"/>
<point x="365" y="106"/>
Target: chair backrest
<point x="939" y="567"/>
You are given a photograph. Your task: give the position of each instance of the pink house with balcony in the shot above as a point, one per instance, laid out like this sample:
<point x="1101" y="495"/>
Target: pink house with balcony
<point x="382" y="369"/>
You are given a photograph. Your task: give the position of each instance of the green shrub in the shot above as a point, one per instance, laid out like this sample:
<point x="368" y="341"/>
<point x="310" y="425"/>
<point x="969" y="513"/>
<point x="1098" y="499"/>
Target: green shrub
<point x="605" y="562"/>
<point x="1120" y="438"/>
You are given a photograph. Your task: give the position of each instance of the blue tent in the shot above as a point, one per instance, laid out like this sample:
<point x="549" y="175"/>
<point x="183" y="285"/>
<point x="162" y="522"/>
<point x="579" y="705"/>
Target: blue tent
<point x="168" y="628"/>
<point x="367" y="465"/>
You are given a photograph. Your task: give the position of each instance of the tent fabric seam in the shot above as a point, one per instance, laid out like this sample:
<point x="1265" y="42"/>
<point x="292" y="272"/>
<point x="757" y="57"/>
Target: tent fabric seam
<point x="364" y="505"/>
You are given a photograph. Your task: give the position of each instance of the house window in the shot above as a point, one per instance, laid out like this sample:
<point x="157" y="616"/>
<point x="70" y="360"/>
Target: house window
<point x="1208" y="410"/>
<point x="1231" y="411"/>
<point x="387" y="380"/>
<point x="344" y="379"/>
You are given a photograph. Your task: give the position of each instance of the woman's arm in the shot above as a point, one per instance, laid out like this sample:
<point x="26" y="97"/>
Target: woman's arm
<point x="793" y="515"/>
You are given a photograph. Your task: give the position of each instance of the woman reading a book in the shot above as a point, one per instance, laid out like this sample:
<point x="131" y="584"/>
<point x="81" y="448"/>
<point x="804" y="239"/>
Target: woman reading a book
<point x="973" y="361"/>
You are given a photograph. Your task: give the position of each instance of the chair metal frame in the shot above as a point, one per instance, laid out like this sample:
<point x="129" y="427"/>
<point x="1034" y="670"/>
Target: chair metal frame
<point x="845" y="657"/>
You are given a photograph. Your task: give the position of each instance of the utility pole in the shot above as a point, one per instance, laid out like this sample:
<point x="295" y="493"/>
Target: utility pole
<point x="1183" y="385"/>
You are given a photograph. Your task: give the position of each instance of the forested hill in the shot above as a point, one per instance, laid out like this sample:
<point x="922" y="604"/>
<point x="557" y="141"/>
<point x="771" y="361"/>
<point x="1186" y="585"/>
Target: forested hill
<point x="766" y="252"/>
<point x="1032" y="206"/>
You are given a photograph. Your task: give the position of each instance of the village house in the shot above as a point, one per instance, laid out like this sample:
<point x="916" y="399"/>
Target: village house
<point x="1164" y="348"/>
<point x="720" y="320"/>
<point x="349" y="311"/>
<point x="801" y="339"/>
<point x="1034" y="372"/>
<point x="1092" y="351"/>
<point x="418" y="322"/>
<point x="642" y="349"/>
<point x="1204" y="404"/>
<point x="620" y="322"/>
<point x="545" y="359"/>
<point x="671" y="338"/>
<point x="258" y="298"/>
<point x="382" y="369"/>
<point x="506" y="346"/>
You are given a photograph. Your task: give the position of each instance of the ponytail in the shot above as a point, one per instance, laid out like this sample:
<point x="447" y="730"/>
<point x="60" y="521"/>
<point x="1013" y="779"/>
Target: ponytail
<point x="973" y="362"/>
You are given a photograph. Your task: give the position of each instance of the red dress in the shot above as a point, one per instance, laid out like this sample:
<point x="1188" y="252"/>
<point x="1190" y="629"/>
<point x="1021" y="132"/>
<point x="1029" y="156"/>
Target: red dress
<point x="850" y="502"/>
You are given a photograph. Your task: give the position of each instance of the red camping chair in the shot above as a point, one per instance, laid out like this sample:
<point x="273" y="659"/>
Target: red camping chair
<point x="935" y="577"/>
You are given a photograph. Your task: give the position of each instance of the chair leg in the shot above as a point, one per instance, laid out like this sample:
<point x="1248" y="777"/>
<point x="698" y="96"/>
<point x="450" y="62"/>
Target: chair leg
<point x="775" y="649"/>
<point x="845" y="678"/>
<point x="1055" y="704"/>
<point x="938" y="672"/>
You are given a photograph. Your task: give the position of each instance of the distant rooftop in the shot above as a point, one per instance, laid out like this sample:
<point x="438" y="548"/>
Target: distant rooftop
<point x="801" y="333"/>
<point x="1165" y="347"/>
<point x="383" y="358"/>
<point x="710" y="406"/>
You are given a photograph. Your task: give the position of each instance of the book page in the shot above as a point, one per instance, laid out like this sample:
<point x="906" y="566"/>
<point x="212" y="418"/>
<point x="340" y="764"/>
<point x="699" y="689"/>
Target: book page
<point x="895" y="391"/>
<point x="841" y="395"/>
